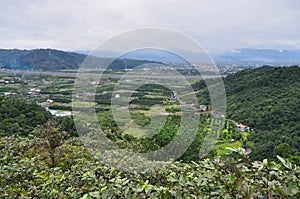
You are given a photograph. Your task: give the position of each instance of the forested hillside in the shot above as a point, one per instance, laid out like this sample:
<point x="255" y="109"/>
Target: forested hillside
<point x="18" y="117"/>
<point x="40" y="59"/>
<point x="267" y="99"/>
<point x="53" y="60"/>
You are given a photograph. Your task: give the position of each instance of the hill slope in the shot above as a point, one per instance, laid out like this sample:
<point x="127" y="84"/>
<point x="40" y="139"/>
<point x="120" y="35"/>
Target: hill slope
<point x="52" y="60"/>
<point x="40" y="59"/>
<point x="18" y="117"/>
<point x="267" y="99"/>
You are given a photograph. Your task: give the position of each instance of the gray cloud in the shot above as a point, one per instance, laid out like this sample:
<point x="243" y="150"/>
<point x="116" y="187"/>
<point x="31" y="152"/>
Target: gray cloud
<point x="216" y="24"/>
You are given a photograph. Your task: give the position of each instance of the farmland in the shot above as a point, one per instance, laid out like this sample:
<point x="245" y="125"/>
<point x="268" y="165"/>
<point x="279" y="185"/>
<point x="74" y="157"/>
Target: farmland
<point x="155" y="110"/>
<point x="46" y="159"/>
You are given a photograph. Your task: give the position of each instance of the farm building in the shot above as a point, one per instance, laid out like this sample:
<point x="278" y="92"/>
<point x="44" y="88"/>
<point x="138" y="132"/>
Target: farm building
<point x="242" y="127"/>
<point x="203" y="108"/>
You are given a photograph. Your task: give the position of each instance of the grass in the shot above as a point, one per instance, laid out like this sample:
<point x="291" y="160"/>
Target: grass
<point x="136" y="132"/>
<point x="221" y="148"/>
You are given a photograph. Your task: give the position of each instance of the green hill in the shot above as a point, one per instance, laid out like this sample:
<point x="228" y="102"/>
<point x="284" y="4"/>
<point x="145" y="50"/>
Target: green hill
<point x="40" y="59"/>
<point x="53" y="60"/>
<point x="267" y="99"/>
<point x="18" y="117"/>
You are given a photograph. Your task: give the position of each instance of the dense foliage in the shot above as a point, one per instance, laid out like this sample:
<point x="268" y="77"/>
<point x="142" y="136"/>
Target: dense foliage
<point x="267" y="99"/>
<point x="18" y="117"/>
<point x="27" y="171"/>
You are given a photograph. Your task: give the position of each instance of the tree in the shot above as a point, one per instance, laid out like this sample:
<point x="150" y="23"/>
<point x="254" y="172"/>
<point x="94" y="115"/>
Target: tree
<point x="53" y="138"/>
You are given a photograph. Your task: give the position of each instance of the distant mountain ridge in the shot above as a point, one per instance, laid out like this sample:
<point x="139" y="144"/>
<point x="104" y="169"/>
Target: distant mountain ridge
<point x="53" y="60"/>
<point x="263" y="56"/>
<point x="40" y="59"/>
<point x="243" y="56"/>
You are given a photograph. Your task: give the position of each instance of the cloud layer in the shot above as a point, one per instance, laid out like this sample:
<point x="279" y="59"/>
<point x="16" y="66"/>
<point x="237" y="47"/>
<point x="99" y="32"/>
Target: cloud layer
<point x="217" y="25"/>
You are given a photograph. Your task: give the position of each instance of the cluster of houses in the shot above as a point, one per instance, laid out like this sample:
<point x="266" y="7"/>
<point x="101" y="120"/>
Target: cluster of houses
<point x="31" y="92"/>
<point x="6" y="94"/>
<point x="3" y="82"/>
<point x="34" y="92"/>
<point x="240" y="126"/>
<point x="15" y="80"/>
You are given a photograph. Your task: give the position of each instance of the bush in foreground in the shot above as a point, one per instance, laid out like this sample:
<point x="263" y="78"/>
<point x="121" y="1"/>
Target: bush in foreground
<point x="26" y="172"/>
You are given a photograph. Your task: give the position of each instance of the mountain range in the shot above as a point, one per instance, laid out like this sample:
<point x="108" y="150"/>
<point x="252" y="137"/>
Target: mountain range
<point x="242" y="57"/>
<point x="51" y="59"/>
<point x="263" y="56"/>
<point x="39" y="59"/>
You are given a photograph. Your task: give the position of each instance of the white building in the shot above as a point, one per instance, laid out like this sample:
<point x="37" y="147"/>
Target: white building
<point x="60" y="114"/>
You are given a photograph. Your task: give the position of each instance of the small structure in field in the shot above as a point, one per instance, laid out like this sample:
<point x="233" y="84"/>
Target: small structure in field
<point x="174" y="97"/>
<point x="6" y="94"/>
<point x="60" y="114"/>
<point x="49" y="101"/>
<point x="203" y="107"/>
<point x="34" y="92"/>
<point x="218" y="115"/>
<point x="242" y="127"/>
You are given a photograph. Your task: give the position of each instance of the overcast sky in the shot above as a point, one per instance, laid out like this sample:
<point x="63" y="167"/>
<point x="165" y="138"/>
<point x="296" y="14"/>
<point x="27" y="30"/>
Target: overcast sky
<point x="216" y="24"/>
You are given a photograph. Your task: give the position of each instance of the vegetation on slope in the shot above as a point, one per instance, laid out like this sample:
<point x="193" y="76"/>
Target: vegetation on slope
<point x="49" y="163"/>
<point x="267" y="99"/>
<point x="27" y="171"/>
<point x="18" y="117"/>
